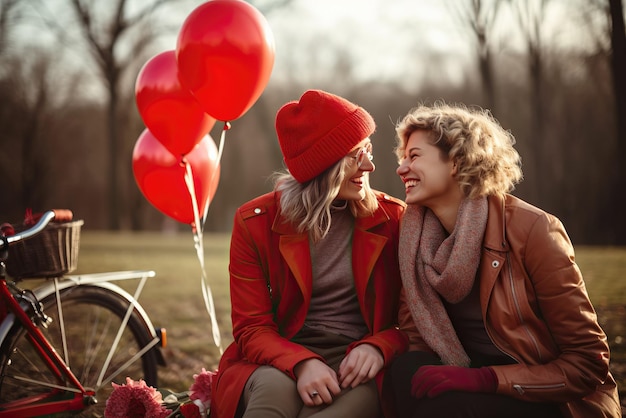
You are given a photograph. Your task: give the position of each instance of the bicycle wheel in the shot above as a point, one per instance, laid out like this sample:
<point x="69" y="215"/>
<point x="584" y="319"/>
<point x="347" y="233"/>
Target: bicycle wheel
<point x="92" y="316"/>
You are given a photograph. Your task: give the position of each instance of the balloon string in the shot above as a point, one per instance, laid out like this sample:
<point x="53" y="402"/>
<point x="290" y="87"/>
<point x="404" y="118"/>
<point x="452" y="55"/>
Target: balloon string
<point x="199" y="245"/>
<point x="220" y="149"/>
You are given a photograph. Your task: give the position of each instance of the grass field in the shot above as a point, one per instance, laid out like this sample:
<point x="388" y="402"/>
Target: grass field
<point x="173" y="298"/>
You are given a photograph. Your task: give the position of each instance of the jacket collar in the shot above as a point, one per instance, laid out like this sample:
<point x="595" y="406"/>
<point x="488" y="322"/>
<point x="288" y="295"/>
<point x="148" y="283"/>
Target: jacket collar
<point x="366" y="249"/>
<point x="282" y="227"/>
<point x="495" y="233"/>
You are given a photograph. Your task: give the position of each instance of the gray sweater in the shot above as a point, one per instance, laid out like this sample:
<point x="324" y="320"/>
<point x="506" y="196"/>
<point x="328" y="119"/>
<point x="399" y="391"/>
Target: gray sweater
<point x="334" y="305"/>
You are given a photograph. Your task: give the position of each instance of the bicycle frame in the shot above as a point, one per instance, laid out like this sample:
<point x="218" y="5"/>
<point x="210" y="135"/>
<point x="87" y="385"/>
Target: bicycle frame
<point x="66" y="392"/>
<point x="67" y="382"/>
<point x="28" y="406"/>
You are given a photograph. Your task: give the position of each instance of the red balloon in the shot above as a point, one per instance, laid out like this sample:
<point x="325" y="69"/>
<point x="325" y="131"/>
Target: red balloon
<point x="225" y="53"/>
<point x="170" y="111"/>
<point x="160" y="176"/>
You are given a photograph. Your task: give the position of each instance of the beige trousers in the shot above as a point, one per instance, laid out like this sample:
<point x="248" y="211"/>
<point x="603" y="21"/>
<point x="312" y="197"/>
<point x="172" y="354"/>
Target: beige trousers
<point x="271" y="393"/>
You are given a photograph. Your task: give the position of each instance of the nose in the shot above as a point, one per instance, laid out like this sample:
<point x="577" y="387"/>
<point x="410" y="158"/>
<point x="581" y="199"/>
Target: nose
<point x="367" y="165"/>
<point x="403" y="168"/>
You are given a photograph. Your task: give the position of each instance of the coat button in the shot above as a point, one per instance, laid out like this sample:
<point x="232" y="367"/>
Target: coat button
<point x="257" y="210"/>
<point x="495" y="263"/>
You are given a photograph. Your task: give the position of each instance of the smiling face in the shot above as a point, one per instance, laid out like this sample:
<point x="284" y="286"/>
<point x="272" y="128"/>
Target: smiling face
<point x="429" y="179"/>
<point x="352" y="187"/>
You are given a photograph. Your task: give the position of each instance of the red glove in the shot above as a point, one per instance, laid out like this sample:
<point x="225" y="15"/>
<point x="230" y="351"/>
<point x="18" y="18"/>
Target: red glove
<point x="435" y="380"/>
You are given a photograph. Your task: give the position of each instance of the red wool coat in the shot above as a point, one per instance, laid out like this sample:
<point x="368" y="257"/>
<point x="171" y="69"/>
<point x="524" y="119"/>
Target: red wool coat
<point x="271" y="285"/>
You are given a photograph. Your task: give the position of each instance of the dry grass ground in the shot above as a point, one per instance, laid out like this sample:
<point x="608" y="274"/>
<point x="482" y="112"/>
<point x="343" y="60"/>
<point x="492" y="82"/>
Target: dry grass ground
<point x="173" y="298"/>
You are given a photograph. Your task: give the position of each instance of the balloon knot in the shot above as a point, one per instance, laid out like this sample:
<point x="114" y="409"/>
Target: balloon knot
<point x="227" y="125"/>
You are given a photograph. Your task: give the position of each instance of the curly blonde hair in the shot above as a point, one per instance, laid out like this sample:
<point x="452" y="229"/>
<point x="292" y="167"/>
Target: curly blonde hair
<point x="483" y="151"/>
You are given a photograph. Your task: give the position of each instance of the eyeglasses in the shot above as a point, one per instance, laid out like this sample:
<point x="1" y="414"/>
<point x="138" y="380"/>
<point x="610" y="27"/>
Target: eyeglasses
<point x="362" y="154"/>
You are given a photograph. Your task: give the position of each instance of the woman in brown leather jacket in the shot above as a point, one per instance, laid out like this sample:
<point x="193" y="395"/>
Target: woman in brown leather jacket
<point x="496" y="310"/>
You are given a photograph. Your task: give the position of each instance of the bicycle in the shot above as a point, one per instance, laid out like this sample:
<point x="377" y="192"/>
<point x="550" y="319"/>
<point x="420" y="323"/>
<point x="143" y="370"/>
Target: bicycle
<point x="63" y="342"/>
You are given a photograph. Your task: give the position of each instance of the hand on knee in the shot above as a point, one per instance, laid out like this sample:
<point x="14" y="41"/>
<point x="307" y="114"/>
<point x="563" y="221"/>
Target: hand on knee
<point x="317" y="383"/>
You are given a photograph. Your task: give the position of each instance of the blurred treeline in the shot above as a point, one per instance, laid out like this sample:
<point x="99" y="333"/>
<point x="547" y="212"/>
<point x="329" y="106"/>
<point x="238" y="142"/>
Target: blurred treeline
<point x="66" y="136"/>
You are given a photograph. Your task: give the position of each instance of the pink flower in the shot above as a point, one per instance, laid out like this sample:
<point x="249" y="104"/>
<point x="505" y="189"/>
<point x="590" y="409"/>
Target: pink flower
<point x="201" y="388"/>
<point x="135" y="400"/>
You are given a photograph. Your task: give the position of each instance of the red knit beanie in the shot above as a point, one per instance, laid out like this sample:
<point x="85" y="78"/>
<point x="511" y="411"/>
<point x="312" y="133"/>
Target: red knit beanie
<point x="318" y="131"/>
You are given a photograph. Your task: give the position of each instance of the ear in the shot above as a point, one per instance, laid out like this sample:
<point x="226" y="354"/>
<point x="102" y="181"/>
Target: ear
<point x="454" y="170"/>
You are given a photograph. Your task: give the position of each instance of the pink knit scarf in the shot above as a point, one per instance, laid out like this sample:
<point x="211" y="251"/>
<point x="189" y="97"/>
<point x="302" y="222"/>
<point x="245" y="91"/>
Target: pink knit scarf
<point x="433" y="266"/>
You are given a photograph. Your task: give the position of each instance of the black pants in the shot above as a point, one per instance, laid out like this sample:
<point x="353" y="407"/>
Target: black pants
<point x="456" y="404"/>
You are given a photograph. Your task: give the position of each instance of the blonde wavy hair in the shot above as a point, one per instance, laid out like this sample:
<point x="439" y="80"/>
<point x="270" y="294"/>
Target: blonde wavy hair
<point x="308" y="205"/>
<point x="486" y="160"/>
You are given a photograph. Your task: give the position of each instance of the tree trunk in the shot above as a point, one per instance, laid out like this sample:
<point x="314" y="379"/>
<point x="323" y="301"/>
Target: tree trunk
<point x="486" y="75"/>
<point x="114" y="189"/>
<point x="618" y="64"/>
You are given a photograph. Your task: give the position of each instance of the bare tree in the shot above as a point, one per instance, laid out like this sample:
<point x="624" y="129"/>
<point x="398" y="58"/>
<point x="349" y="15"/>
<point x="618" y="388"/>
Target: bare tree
<point x="530" y="15"/>
<point x="479" y="18"/>
<point x="104" y="41"/>
<point x="604" y="24"/>
<point x="9" y="12"/>
<point x="33" y="87"/>
<point x="116" y="37"/>
<point x="618" y="64"/>
<point x="31" y="97"/>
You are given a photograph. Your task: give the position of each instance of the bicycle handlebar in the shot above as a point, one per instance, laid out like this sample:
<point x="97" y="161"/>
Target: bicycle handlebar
<point x="59" y="215"/>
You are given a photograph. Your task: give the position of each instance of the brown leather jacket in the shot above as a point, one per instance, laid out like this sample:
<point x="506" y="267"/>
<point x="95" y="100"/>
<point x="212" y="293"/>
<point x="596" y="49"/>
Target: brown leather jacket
<point x="536" y="310"/>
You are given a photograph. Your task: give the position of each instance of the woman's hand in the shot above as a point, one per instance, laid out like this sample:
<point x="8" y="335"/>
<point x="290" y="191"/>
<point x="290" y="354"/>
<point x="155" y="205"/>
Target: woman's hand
<point x="432" y="381"/>
<point x="316" y="382"/>
<point x="361" y="365"/>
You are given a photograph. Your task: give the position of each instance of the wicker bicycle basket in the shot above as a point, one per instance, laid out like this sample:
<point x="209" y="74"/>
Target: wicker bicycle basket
<point x="51" y="253"/>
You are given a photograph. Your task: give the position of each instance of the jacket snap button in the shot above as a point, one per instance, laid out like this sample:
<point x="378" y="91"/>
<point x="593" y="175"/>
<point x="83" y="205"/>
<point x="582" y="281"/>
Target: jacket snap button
<point x="495" y="263"/>
<point x="257" y="210"/>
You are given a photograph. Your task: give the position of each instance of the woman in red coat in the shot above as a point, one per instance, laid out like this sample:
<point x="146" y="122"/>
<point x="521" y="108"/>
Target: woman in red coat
<point x="314" y="276"/>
